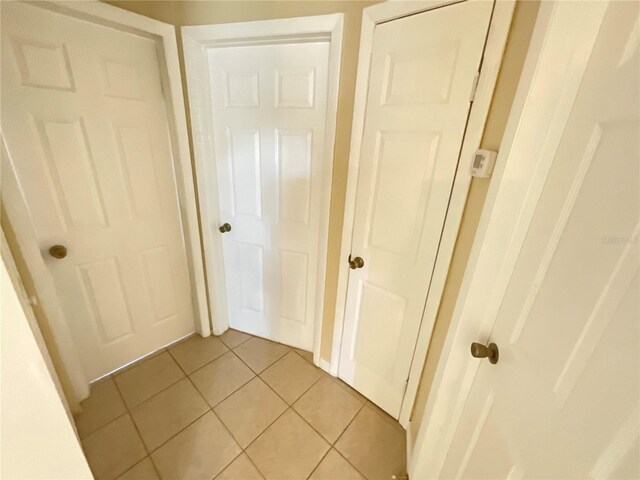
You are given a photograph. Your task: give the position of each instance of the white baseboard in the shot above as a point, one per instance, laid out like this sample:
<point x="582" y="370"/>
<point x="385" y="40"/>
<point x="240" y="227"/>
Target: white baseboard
<point x="326" y="366"/>
<point x="409" y="444"/>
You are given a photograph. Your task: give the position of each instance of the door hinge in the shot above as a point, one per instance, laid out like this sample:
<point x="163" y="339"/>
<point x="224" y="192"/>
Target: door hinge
<point x="474" y="87"/>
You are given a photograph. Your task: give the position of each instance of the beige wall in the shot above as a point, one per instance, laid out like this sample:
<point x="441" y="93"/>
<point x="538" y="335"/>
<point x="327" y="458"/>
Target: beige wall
<point x="518" y="43"/>
<point x="38" y="439"/>
<point x="207" y="12"/>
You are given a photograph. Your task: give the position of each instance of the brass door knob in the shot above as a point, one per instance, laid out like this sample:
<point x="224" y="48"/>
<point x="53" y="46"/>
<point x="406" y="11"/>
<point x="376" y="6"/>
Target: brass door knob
<point x="225" y="228"/>
<point x="481" y="351"/>
<point x="356" y="263"/>
<point x="58" y="251"/>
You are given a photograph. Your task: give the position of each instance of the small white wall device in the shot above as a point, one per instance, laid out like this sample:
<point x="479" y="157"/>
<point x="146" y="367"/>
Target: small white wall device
<point x="483" y="162"/>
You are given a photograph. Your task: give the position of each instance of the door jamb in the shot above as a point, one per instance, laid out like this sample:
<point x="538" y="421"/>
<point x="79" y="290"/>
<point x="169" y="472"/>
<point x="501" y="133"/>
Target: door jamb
<point x="164" y="36"/>
<point x="562" y="36"/>
<point x="196" y="41"/>
<point x="490" y="66"/>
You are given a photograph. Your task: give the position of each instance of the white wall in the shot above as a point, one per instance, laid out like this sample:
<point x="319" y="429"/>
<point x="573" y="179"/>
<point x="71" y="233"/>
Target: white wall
<point x="37" y="439"/>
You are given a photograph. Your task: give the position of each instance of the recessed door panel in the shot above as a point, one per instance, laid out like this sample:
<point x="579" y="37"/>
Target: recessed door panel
<point x="244" y="145"/>
<point x="71" y="171"/>
<point x="104" y="294"/>
<point x="293" y="287"/>
<point x="294" y="158"/>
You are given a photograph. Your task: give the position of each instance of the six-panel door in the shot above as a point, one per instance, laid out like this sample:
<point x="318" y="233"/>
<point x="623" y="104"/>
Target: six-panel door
<point x="84" y="118"/>
<point x="562" y="402"/>
<point x="422" y="73"/>
<point x="269" y="116"/>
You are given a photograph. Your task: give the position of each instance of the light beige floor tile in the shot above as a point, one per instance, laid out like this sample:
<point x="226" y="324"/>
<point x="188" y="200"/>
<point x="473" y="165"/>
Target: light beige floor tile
<point x="335" y="467"/>
<point x="259" y="353"/>
<point x="221" y="378"/>
<point x="328" y="408"/>
<point x="288" y="449"/>
<point x="352" y="391"/>
<point x="138" y="362"/>
<point x="250" y="410"/>
<point x="142" y="471"/>
<point x="308" y="356"/>
<point x="103" y="405"/>
<point x="201" y="451"/>
<point x="114" y="448"/>
<point x="291" y="376"/>
<point x="164" y="415"/>
<point x="100" y="380"/>
<point x="197" y="352"/>
<point x="374" y="445"/>
<point x="232" y="338"/>
<point x="240" y="469"/>
<point x="148" y="378"/>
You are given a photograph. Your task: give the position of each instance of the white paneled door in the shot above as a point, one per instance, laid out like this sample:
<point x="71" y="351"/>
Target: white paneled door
<point x="269" y="115"/>
<point x="562" y="401"/>
<point x="84" y="118"/>
<point x="422" y="75"/>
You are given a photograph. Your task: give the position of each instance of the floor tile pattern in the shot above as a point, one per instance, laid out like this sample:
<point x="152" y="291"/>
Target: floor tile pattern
<point x="235" y="407"/>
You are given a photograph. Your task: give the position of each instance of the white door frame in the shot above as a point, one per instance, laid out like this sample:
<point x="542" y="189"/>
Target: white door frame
<point x="491" y="61"/>
<point x="560" y="48"/>
<point x="196" y="41"/>
<point x="165" y="37"/>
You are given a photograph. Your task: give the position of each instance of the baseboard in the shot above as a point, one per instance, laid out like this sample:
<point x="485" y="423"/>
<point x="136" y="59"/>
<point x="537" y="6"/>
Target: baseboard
<point x="326" y="366"/>
<point x="409" y="443"/>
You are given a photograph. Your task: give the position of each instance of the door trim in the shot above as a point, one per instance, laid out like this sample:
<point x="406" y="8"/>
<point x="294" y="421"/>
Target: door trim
<point x="563" y="35"/>
<point x="196" y="40"/>
<point x="165" y="37"/>
<point x="490" y="67"/>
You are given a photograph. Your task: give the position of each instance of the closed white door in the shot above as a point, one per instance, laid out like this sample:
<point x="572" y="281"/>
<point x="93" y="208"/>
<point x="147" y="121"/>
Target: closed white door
<point x="84" y="118"/>
<point x="562" y="401"/>
<point x="422" y="75"/>
<point x="269" y="115"/>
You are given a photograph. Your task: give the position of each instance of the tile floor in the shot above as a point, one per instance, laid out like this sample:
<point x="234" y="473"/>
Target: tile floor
<point x="235" y="407"/>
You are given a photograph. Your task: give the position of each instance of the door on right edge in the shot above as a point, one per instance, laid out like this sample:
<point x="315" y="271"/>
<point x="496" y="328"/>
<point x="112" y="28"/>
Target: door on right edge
<point x="562" y="401"/>
<point x="422" y="74"/>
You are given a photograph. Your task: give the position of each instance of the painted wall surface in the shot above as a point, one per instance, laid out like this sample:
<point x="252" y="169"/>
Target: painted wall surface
<point x="37" y="439"/>
<point x="513" y="61"/>
<point x="181" y="13"/>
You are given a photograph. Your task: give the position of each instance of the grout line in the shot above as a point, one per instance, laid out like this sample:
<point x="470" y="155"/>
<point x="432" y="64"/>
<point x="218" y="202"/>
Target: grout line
<point x="316" y="467"/>
<point x="186" y="426"/>
<point x="249" y="337"/>
<point x="211" y="408"/>
<point x="136" y="464"/>
<point x="341" y="435"/>
<point x="210" y="361"/>
<point x="268" y="366"/>
<point x="152" y="396"/>
<point x="144" y="445"/>
<point x="214" y="406"/>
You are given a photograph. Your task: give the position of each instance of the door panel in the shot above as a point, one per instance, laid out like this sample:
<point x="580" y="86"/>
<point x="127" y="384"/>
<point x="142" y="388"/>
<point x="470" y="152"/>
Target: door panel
<point x="84" y="118"/>
<point x="269" y="115"/>
<point x="567" y="383"/>
<point x="422" y="74"/>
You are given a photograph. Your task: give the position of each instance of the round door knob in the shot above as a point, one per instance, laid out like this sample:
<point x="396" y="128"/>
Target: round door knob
<point x="58" y="251"/>
<point x="356" y="263"/>
<point x="225" y="228"/>
<point x="481" y="351"/>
